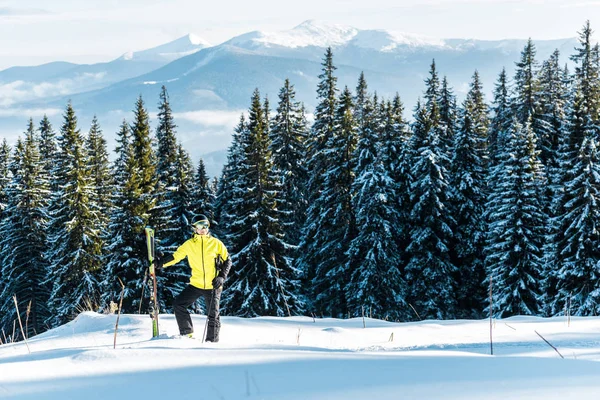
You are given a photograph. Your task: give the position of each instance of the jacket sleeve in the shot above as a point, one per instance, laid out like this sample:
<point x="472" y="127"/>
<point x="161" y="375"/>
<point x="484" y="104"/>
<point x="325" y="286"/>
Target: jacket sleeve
<point x="225" y="262"/>
<point x="179" y="255"/>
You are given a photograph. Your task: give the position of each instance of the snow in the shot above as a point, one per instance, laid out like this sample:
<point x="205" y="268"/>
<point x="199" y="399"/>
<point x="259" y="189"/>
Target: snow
<point x="296" y="358"/>
<point x="323" y="34"/>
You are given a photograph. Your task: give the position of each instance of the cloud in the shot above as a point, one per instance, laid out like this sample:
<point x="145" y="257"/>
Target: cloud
<point x="212" y="118"/>
<point x="29" y="112"/>
<point x="19" y="91"/>
<point x="21" y="12"/>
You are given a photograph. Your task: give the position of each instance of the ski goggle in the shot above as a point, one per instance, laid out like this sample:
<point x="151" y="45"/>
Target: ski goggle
<point x="201" y="225"/>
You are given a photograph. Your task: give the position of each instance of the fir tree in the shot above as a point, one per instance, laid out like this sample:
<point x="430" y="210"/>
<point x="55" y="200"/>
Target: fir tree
<point x="263" y="282"/>
<point x="375" y="283"/>
<point x="335" y="224"/>
<point x="4" y="175"/>
<point x="516" y="227"/>
<point x="174" y="279"/>
<point x="318" y="163"/>
<point x="573" y="268"/>
<point x="288" y="147"/>
<point x="99" y="167"/>
<point x="574" y="278"/>
<point x="23" y="240"/>
<point x="448" y="116"/>
<point x="166" y="215"/>
<point x="74" y="240"/>
<point x="203" y="198"/>
<point x="468" y="196"/>
<point x="430" y="270"/>
<point x="126" y="258"/>
<point x="587" y="74"/>
<point x="230" y="185"/>
<point x="48" y="145"/>
<point x="502" y="117"/>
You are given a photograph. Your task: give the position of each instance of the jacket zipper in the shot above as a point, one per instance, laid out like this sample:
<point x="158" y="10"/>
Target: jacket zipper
<point x="203" y="268"/>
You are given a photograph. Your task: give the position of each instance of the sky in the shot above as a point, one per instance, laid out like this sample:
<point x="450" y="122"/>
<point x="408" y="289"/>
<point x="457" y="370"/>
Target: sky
<point x="298" y="358"/>
<point x="34" y="32"/>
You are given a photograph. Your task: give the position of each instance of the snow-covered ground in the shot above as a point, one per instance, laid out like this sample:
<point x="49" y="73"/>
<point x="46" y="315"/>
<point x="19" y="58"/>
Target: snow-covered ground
<point x="298" y="358"/>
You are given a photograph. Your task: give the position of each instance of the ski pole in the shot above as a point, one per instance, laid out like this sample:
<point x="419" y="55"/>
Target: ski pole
<point x="212" y="296"/>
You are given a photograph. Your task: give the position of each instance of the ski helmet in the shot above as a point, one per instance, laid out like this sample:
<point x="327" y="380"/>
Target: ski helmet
<point x="201" y="222"/>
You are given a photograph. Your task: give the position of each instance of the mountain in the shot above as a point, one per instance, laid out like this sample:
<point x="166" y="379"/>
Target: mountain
<point x="59" y="79"/>
<point x="210" y="87"/>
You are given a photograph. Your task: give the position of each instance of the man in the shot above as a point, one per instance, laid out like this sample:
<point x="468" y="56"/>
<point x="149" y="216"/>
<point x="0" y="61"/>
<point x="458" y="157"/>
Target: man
<point x="210" y="265"/>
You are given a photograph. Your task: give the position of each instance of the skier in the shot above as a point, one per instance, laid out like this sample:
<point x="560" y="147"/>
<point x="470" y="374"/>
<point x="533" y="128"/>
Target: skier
<point x="210" y="265"/>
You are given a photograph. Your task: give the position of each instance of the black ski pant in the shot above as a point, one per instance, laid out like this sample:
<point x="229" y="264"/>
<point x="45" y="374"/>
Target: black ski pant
<point x="186" y="298"/>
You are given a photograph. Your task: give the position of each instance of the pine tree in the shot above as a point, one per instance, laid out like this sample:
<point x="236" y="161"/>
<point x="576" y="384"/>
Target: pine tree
<point x="574" y="279"/>
<point x="4" y="175"/>
<point x="396" y="158"/>
<point x="318" y="163"/>
<point x="573" y="267"/>
<point x="173" y="280"/>
<point x="23" y="240"/>
<point x="288" y="147"/>
<point x="263" y="281"/>
<point x="126" y="245"/>
<point x="468" y="195"/>
<point x="336" y="224"/>
<point x="230" y="186"/>
<point x="587" y="73"/>
<point x="430" y="270"/>
<point x="516" y="226"/>
<point x="99" y="167"/>
<point x="48" y="145"/>
<point x="166" y="215"/>
<point x="74" y="239"/>
<point x="376" y="284"/>
<point x="448" y="116"/>
<point x="553" y="97"/>
<point x="203" y="198"/>
<point x="502" y="117"/>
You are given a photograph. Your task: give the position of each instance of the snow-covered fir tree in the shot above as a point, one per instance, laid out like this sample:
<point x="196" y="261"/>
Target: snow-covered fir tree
<point x="123" y="249"/>
<point x="502" y="117"/>
<point x="336" y="223"/>
<point x="4" y="174"/>
<point x="230" y="185"/>
<point x="318" y="163"/>
<point x="516" y="225"/>
<point x="288" y="146"/>
<point x="430" y="272"/>
<point x="468" y="196"/>
<point x="263" y="281"/>
<point x="171" y="194"/>
<point x="448" y="115"/>
<point x="174" y="279"/>
<point x="48" y="144"/>
<point x="74" y="243"/>
<point x="376" y="286"/>
<point x="203" y="197"/>
<point x="572" y="277"/>
<point x="23" y="239"/>
<point x="100" y="173"/>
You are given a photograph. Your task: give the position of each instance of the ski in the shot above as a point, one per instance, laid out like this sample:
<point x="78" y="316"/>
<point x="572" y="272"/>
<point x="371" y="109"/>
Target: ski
<point x="153" y="291"/>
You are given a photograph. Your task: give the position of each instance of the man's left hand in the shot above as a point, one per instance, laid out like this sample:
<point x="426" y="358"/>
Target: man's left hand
<point x="218" y="282"/>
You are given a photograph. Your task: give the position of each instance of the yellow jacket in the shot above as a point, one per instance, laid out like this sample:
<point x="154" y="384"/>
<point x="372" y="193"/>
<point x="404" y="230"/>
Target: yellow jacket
<point x="201" y="251"/>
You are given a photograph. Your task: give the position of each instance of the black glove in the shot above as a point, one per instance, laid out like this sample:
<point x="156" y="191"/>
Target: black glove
<point x="160" y="261"/>
<point x="218" y="282"/>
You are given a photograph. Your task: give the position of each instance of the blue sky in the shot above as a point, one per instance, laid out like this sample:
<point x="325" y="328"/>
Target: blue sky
<point x="37" y="31"/>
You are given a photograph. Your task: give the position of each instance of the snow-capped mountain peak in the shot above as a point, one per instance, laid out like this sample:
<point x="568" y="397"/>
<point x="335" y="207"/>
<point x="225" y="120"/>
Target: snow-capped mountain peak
<point x="183" y="46"/>
<point x="323" y="34"/>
